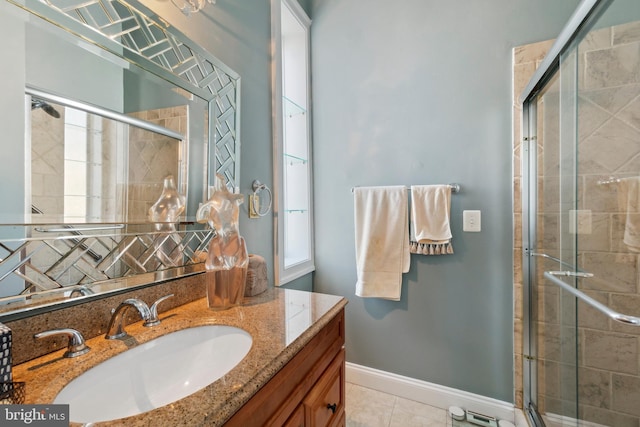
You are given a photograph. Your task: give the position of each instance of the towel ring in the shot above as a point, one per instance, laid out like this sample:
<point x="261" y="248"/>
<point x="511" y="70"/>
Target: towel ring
<point x="257" y="187"/>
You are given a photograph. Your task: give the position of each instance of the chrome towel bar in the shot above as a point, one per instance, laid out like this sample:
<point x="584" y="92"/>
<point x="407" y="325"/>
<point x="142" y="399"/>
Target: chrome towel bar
<point x="455" y="188"/>
<point x="70" y="229"/>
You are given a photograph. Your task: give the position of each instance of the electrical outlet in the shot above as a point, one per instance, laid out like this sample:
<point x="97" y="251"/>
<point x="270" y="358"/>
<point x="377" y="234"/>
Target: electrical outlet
<point x="254" y="200"/>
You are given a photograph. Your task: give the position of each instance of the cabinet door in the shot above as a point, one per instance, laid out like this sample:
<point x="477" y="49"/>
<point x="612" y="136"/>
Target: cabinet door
<point x="296" y="419"/>
<point x="324" y="404"/>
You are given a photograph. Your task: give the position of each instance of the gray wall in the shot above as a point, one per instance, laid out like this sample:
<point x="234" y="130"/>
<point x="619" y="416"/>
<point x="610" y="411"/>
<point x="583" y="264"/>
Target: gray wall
<point x="12" y="173"/>
<point x="27" y="61"/>
<point x="419" y="92"/>
<point x="307" y="5"/>
<point x="57" y="64"/>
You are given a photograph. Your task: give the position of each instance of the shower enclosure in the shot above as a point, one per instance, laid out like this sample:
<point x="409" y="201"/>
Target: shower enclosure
<point x="581" y="222"/>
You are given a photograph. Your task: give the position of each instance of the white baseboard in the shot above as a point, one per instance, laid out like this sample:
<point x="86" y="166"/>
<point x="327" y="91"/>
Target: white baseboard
<point x="432" y="394"/>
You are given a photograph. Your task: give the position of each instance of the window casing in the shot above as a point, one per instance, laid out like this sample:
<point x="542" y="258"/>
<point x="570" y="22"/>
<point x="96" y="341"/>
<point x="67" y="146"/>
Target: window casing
<point x="294" y="255"/>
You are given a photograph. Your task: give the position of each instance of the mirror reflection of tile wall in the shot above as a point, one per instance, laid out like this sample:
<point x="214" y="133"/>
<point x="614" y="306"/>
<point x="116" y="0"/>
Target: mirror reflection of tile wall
<point x="152" y="157"/>
<point x="108" y="172"/>
<point x="47" y="158"/>
<point x="119" y="183"/>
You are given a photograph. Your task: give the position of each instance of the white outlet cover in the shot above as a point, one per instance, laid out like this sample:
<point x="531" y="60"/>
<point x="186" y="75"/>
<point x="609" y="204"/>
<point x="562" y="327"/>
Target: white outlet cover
<point x="472" y="221"/>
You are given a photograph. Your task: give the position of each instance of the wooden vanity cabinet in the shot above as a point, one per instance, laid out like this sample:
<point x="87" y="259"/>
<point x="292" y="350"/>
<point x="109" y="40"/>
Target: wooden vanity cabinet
<point x="308" y="391"/>
<point x="296" y="419"/>
<point x="324" y="404"/>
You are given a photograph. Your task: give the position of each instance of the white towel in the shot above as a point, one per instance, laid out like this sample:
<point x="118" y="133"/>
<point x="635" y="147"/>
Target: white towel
<point x="430" y="228"/>
<point x="382" y="240"/>
<point x="629" y="202"/>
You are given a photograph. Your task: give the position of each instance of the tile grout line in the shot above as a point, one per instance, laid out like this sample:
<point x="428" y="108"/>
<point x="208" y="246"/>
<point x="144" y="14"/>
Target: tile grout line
<point x="393" y="409"/>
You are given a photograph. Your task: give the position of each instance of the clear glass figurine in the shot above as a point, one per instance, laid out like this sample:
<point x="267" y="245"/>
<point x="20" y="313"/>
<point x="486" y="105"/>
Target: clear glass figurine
<point x="165" y="214"/>
<point x="227" y="259"/>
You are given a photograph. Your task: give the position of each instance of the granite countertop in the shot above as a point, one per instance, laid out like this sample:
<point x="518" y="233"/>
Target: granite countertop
<point x="280" y="321"/>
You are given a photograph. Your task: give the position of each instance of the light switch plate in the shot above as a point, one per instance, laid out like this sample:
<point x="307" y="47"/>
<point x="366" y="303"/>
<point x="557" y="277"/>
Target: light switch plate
<point x="471" y="221"/>
<point x="254" y="200"/>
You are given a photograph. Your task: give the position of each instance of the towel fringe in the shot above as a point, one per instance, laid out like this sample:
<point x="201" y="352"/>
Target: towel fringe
<point x="445" y="248"/>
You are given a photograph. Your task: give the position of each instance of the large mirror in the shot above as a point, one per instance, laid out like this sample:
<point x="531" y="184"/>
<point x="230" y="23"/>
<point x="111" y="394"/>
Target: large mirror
<point x="102" y="103"/>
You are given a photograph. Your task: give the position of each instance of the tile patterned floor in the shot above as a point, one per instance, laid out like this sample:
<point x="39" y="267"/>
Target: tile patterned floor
<point x="371" y="408"/>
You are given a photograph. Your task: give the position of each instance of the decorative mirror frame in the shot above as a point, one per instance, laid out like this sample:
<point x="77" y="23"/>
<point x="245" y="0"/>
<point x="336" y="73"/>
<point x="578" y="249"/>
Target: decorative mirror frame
<point x="133" y="32"/>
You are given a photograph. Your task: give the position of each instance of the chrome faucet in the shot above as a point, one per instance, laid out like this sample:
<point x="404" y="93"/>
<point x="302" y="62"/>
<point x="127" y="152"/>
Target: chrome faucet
<point x="153" y="319"/>
<point x="76" y="346"/>
<point x="116" y="326"/>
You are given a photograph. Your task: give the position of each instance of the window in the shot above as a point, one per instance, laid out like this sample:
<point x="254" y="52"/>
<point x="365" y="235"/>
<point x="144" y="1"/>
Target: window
<point x="292" y="139"/>
<point x="75" y="164"/>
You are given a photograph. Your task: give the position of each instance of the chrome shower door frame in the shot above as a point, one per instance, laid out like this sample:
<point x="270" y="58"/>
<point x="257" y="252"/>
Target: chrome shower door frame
<point x="529" y="199"/>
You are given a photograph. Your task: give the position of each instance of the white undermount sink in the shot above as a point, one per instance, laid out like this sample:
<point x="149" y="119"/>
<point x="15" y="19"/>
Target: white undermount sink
<point x="155" y="373"/>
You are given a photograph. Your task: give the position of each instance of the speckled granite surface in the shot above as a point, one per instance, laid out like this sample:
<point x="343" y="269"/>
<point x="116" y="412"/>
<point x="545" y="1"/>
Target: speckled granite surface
<point x="280" y="322"/>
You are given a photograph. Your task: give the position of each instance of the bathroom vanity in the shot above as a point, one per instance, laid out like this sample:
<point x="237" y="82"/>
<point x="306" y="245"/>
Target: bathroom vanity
<point x="293" y="374"/>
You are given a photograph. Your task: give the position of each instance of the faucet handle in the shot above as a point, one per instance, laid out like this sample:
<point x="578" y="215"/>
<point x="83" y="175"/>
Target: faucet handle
<point x="153" y="319"/>
<point x="76" y="346"/>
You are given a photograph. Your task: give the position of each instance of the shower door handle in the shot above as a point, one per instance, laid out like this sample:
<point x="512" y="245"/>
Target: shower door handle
<point x="618" y="317"/>
<point x="558" y="260"/>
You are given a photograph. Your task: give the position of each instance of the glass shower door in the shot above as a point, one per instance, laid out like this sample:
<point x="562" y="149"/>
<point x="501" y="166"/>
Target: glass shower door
<point x="607" y="63"/>
<point x="584" y="228"/>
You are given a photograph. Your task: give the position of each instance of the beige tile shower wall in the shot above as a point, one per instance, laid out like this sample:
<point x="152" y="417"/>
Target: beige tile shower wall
<point x="152" y="157"/>
<point x="526" y="60"/>
<point x="47" y="188"/>
<point x="47" y="162"/>
<point x="112" y="172"/>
